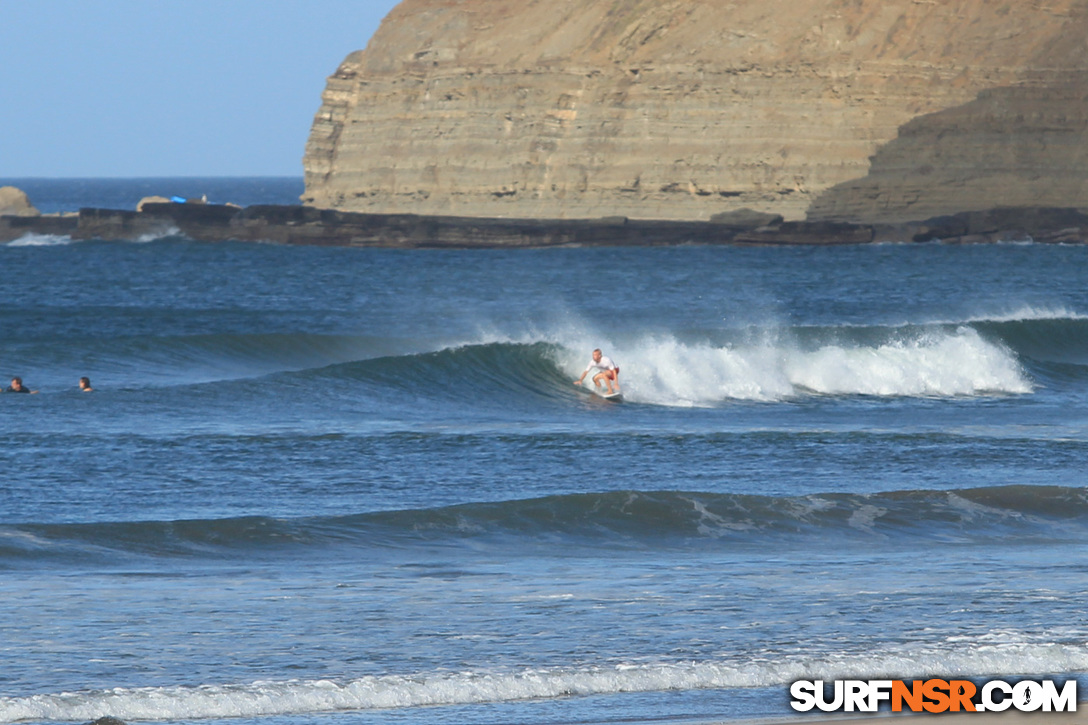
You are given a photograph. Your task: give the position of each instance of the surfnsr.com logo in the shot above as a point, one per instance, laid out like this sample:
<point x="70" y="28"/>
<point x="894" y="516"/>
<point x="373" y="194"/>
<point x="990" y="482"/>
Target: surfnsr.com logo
<point x="933" y="695"/>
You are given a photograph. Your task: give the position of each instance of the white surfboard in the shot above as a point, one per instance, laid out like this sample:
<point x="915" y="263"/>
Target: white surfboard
<point x="602" y="393"/>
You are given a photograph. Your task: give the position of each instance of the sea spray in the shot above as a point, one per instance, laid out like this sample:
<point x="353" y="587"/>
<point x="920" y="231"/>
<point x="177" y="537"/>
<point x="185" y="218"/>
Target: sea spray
<point x="935" y="363"/>
<point x="40" y="240"/>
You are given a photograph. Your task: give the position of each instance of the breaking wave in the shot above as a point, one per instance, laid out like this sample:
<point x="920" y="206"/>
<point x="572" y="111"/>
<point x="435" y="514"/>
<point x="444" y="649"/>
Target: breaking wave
<point x="933" y="363"/>
<point x="295" y="697"/>
<point x="40" y="240"/>
<point x="988" y="357"/>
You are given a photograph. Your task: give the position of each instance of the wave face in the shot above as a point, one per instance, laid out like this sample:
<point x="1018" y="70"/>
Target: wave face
<point x="1006" y="358"/>
<point x="628" y="519"/>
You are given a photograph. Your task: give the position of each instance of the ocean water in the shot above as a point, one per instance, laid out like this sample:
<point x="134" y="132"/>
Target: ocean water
<point x="334" y="486"/>
<point x="55" y="196"/>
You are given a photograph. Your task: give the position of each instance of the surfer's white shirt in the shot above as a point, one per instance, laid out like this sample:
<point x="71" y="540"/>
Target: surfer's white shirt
<point x="604" y="364"/>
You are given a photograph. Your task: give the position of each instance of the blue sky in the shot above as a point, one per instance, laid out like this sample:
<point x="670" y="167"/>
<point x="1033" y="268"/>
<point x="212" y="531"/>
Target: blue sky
<point x="129" y="88"/>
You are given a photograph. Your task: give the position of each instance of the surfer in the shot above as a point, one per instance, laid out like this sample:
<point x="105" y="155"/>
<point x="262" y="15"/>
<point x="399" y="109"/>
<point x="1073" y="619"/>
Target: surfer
<point x="608" y="372"/>
<point x="85" y="385"/>
<point x="18" y="387"/>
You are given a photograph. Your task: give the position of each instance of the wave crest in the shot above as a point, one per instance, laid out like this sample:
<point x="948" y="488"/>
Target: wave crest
<point x="934" y="363"/>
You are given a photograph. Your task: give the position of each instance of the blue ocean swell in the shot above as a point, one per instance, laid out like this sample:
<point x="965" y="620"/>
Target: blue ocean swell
<point x="116" y="473"/>
<point x="619" y="520"/>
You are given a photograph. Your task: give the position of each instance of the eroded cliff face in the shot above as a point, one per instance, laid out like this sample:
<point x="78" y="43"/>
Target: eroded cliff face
<point x="1010" y="147"/>
<point x="681" y="109"/>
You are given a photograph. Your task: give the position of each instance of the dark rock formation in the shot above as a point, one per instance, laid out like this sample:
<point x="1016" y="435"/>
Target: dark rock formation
<point x="310" y="226"/>
<point x="823" y="233"/>
<point x="746" y="218"/>
<point x="1004" y="224"/>
<point x="1022" y="146"/>
<point x="14" y="227"/>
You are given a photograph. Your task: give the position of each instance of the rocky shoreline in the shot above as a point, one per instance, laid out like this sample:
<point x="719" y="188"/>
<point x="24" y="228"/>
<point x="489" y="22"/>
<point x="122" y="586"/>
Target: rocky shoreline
<point x="305" y="225"/>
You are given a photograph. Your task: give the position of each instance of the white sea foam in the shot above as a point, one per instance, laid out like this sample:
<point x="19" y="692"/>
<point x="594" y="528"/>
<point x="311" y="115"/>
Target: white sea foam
<point x="998" y="313"/>
<point x="938" y="364"/>
<point x="54" y="240"/>
<point x="292" y="697"/>
<point x="40" y="240"/>
<point x="665" y="371"/>
<point x="158" y="234"/>
<point x="1026" y="313"/>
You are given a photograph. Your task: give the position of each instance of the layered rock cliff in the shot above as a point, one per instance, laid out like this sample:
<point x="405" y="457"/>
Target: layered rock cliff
<point x="682" y="109"/>
<point x="1010" y="147"/>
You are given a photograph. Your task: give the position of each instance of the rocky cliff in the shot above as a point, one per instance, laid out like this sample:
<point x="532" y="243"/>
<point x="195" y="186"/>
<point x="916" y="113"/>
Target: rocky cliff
<point x="14" y="202"/>
<point x="1010" y="147"/>
<point x="853" y="110"/>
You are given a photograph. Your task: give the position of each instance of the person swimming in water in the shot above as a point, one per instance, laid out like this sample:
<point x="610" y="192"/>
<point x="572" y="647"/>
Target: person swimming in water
<point x="85" y="385"/>
<point x="18" y="387"/>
